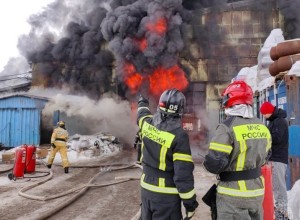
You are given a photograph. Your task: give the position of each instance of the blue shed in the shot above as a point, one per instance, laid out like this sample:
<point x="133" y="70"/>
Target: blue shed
<point x="20" y="119"/>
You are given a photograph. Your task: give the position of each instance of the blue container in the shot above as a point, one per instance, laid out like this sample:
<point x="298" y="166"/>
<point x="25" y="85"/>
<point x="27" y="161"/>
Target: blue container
<point x="289" y="183"/>
<point x="293" y="171"/>
<point x="20" y="120"/>
<point x="293" y="103"/>
<point x="272" y="95"/>
<point x="293" y="99"/>
<point x="277" y="95"/>
<point x="281" y="95"/>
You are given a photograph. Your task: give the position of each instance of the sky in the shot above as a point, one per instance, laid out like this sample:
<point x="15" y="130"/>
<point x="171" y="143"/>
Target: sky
<point x="13" y="23"/>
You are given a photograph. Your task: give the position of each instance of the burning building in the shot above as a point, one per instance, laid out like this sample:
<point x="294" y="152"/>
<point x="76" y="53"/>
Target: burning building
<point x="146" y="46"/>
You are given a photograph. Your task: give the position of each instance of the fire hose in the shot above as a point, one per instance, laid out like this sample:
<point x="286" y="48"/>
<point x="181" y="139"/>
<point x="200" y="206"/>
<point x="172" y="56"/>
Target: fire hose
<point x="6" y="169"/>
<point x="81" y="189"/>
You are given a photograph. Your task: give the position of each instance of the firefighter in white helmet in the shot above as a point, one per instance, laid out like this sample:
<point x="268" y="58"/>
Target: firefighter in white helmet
<point x="236" y="153"/>
<point x="59" y="140"/>
<point x="167" y="179"/>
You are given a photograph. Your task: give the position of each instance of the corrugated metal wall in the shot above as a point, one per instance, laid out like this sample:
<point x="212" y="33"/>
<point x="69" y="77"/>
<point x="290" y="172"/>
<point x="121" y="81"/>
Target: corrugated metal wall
<point x="20" y="119"/>
<point x="293" y="106"/>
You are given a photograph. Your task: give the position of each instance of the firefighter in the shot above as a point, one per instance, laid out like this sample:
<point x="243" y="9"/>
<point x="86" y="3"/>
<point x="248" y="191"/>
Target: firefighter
<point x="167" y="178"/>
<point x="59" y="140"/>
<point x="236" y="153"/>
<point x="138" y="146"/>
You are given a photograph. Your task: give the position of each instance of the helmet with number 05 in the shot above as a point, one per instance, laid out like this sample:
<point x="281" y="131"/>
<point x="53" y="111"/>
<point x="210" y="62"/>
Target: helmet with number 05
<point x="237" y="93"/>
<point x="172" y="102"/>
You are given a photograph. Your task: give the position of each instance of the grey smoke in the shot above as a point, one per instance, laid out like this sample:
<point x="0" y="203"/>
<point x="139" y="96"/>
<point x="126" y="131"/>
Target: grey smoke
<point x="290" y="11"/>
<point x="109" y="114"/>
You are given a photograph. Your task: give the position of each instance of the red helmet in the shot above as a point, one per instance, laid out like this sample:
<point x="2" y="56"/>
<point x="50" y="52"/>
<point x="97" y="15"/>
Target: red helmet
<point x="236" y="93"/>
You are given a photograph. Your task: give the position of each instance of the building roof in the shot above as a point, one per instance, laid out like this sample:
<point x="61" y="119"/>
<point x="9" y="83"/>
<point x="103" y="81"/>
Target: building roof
<point x="24" y="94"/>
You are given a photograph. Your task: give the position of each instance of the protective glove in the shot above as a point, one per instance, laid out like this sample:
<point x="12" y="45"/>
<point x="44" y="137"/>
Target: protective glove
<point x="53" y="145"/>
<point x="189" y="215"/>
<point x="190" y="207"/>
<point x="142" y="99"/>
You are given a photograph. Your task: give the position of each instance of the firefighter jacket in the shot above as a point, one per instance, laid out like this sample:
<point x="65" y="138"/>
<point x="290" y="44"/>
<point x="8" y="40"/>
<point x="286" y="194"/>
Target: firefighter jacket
<point x="166" y="157"/>
<point x="239" y="144"/>
<point x="59" y="136"/>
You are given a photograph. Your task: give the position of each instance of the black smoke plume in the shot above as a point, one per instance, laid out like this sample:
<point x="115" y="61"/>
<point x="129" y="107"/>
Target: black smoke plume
<point x="79" y="44"/>
<point x="75" y="58"/>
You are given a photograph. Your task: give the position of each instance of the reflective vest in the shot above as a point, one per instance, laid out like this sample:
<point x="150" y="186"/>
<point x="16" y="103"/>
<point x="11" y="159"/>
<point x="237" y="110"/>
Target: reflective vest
<point x="239" y="144"/>
<point x="166" y="157"/>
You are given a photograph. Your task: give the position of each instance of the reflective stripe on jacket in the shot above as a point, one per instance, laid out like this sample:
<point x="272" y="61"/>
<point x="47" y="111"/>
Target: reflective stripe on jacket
<point x="239" y="144"/>
<point x="168" y="156"/>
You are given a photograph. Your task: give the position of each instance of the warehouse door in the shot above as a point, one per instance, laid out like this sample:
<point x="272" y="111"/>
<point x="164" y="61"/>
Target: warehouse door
<point x="19" y="126"/>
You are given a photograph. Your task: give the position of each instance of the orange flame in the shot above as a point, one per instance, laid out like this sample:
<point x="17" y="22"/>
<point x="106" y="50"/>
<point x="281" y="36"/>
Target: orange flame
<point x="159" y="27"/>
<point x="132" y="78"/>
<point x="142" y="43"/>
<point x="163" y="79"/>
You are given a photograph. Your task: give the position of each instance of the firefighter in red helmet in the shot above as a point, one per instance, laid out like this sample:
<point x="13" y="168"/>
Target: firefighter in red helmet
<point x="59" y="140"/>
<point x="167" y="179"/>
<point x="236" y="153"/>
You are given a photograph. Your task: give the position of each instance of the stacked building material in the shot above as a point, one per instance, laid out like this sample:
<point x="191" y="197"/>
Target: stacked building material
<point x="284" y="54"/>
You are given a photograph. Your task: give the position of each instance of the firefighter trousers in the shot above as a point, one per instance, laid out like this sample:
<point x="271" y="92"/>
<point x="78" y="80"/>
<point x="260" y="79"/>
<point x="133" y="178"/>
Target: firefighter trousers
<point x="237" y="208"/>
<point x="158" y="206"/>
<point x="62" y="149"/>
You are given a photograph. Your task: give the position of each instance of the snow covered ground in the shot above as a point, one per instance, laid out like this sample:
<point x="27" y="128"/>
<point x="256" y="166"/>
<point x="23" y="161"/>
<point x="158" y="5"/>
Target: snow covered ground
<point x="294" y="201"/>
<point x="203" y="180"/>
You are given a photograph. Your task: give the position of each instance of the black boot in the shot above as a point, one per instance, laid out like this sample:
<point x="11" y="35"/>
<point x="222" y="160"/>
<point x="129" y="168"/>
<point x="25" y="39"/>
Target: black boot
<point x="66" y="169"/>
<point x="49" y="166"/>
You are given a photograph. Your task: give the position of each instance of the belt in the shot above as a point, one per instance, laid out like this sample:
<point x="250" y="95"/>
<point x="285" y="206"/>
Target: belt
<point x="150" y="171"/>
<point x="60" y="139"/>
<point x="240" y="175"/>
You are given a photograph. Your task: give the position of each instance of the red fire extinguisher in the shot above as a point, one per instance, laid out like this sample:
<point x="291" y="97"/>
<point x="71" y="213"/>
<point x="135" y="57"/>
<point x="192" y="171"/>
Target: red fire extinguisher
<point x="20" y="160"/>
<point x="30" y="159"/>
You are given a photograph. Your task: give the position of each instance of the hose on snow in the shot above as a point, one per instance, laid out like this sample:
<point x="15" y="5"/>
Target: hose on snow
<point x="81" y="189"/>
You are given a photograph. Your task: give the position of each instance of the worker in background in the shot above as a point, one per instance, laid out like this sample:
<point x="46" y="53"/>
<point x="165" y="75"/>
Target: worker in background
<point x="59" y="140"/>
<point x="138" y="146"/>
<point x="278" y="127"/>
<point x="236" y="154"/>
<point x="167" y="178"/>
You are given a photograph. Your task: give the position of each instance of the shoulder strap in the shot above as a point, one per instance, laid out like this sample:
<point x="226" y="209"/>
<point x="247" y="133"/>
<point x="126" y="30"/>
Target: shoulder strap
<point x="228" y="121"/>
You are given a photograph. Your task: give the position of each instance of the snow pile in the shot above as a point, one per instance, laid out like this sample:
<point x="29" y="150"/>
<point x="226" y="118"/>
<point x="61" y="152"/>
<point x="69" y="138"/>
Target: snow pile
<point x="294" y="201"/>
<point x="249" y="75"/>
<point x="86" y="147"/>
<point x="268" y="82"/>
<point x="264" y="60"/>
<point x="295" y="70"/>
<point x="259" y="77"/>
<point x="94" y="145"/>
